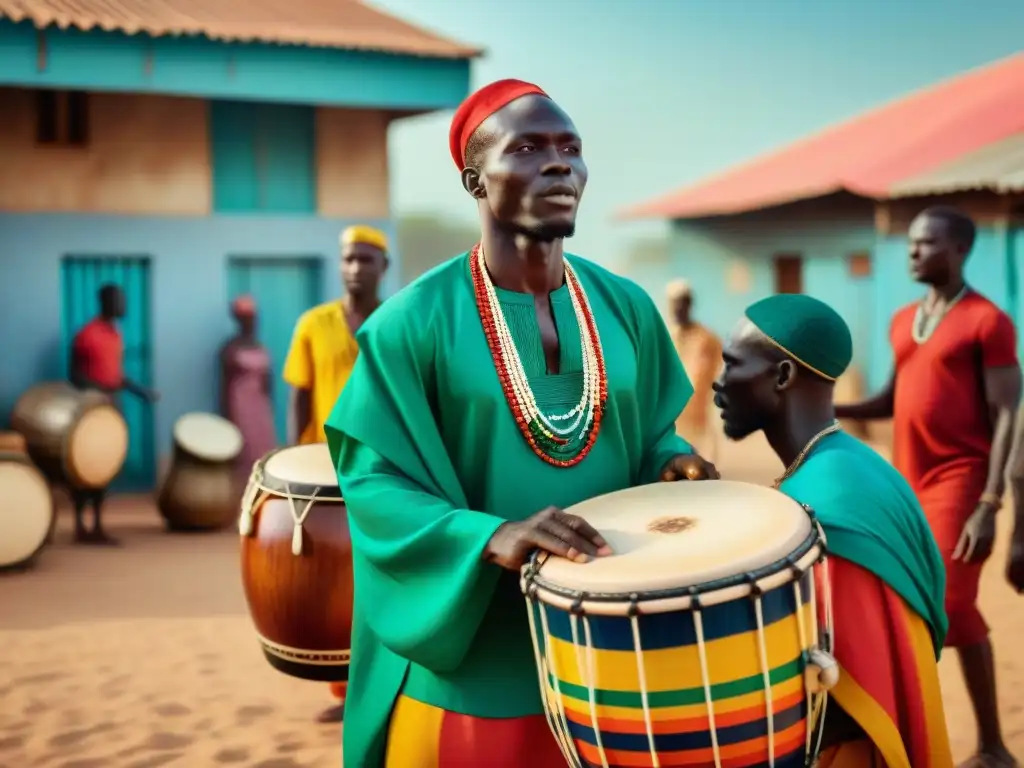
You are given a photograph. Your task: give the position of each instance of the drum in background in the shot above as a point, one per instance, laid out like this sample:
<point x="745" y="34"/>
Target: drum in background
<point x="297" y="563"/>
<point x="76" y="437"/>
<point x="200" y="491"/>
<point x="13" y="442"/>
<point x="696" y="643"/>
<point x="27" y="512"/>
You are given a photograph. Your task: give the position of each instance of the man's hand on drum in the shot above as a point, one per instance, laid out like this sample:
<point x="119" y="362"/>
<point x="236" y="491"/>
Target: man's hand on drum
<point x="550" y="530"/>
<point x="688" y="466"/>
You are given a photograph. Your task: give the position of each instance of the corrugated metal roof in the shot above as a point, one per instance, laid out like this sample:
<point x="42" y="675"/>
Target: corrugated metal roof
<point x="347" y="24"/>
<point x="999" y="167"/>
<point x="869" y="154"/>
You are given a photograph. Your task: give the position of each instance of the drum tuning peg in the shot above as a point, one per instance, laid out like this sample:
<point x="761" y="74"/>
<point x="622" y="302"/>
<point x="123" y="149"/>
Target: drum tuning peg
<point x="245" y="523"/>
<point x="821" y="673"/>
<point x="297" y="540"/>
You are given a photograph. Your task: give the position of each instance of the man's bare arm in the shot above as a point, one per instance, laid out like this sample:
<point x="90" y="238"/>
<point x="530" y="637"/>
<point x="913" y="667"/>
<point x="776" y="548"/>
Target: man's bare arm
<point x="1002" y="393"/>
<point x="298" y="413"/>
<point x="878" y="407"/>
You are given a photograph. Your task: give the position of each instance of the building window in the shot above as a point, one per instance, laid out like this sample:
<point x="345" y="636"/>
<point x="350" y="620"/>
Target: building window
<point x="859" y="264"/>
<point x="62" y="118"/>
<point x="789" y="273"/>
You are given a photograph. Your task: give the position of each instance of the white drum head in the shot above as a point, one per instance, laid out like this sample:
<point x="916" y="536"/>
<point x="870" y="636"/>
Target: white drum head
<point x="97" y="446"/>
<point x="674" y="535"/>
<point x="308" y="465"/>
<point x="26" y="511"/>
<point x="208" y="436"/>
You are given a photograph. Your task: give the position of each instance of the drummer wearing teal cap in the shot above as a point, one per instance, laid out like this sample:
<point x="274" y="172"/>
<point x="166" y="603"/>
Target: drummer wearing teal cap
<point x="885" y="570"/>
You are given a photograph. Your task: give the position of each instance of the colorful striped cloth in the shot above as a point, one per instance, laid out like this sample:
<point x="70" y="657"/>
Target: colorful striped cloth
<point x="852" y="754"/>
<point x="889" y="680"/>
<point x="423" y="736"/>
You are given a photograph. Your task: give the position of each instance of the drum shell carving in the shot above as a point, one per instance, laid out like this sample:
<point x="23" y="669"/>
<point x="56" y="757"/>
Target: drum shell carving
<point x="197" y="494"/>
<point x="16" y="513"/>
<point x="47" y="415"/>
<point x="303" y="601"/>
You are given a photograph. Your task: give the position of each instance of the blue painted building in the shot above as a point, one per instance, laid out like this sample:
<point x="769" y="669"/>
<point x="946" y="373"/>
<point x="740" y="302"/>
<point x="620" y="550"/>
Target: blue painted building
<point x="828" y="216"/>
<point x="190" y="160"/>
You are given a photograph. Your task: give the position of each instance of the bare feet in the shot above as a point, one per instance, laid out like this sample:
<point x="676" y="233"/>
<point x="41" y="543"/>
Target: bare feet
<point x="104" y="539"/>
<point x="83" y="536"/>
<point x="96" y="537"/>
<point x="999" y="757"/>
<point x="335" y="714"/>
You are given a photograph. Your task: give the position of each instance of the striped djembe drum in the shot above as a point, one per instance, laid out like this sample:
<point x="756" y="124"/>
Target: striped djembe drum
<point x="698" y="643"/>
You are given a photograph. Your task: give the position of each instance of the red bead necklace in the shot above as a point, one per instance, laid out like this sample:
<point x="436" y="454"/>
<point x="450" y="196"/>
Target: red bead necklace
<point x="546" y="439"/>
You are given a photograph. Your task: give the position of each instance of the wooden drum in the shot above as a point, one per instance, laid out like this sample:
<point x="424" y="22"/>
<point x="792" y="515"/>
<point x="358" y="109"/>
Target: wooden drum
<point x="27" y="513"/>
<point x="76" y="437"/>
<point x="297" y="563"/>
<point x="698" y="642"/>
<point x="200" y="492"/>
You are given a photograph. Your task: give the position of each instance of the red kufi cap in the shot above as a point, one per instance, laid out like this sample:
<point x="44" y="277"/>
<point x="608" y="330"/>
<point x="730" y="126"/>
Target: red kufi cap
<point x="478" y="107"/>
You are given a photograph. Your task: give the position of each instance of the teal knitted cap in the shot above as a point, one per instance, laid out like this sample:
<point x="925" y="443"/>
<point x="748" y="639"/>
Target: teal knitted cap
<point x="808" y="330"/>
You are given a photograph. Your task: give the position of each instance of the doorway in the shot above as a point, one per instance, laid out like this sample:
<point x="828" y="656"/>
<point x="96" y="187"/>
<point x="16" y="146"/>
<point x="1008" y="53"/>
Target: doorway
<point x="81" y="279"/>
<point x="788" y="272"/>
<point x="283" y="288"/>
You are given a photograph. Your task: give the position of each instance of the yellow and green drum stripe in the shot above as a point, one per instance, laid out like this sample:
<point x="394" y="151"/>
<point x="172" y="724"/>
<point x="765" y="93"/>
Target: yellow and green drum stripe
<point x="675" y="683"/>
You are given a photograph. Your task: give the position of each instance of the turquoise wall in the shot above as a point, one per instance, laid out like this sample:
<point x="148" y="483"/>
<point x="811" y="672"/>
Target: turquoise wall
<point x="705" y="251"/>
<point x="1015" y="256"/>
<point x="189" y="272"/>
<point x="196" y="66"/>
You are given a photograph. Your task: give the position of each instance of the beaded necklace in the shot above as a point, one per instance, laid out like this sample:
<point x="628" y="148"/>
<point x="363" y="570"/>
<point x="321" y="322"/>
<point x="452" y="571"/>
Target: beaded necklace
<point x="835" y="426"/>
<point x="925" y="323"/>
<point x="561" y="439"/>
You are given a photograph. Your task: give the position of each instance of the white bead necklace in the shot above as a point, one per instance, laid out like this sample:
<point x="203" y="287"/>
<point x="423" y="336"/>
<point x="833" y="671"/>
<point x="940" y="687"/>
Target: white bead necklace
<point x="925" y="324"/>
<point x="583" y="412"/>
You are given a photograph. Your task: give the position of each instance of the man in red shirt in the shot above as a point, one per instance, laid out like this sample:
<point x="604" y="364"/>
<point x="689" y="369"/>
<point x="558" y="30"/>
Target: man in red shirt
<point x="97" y="362"/>
<point x="953" y="398"/>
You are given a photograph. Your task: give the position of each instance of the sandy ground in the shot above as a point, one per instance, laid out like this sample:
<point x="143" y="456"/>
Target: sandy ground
<point x="144" y="657"/>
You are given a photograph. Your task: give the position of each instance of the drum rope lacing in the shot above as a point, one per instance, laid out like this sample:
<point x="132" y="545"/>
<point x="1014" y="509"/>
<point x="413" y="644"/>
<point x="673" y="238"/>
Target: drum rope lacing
<point x="811" y="652"/>
<point x="256" y="486"/>
<point x="548" y="677"/>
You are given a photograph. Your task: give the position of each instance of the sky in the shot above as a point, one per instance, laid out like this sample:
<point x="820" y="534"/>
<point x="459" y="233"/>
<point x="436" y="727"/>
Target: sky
<point x="667" y="92"/>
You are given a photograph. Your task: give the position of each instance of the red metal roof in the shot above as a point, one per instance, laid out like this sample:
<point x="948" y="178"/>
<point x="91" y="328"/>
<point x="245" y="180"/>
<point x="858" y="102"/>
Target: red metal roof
<point x="346" y="24"/>
<point x="868" y="154"/>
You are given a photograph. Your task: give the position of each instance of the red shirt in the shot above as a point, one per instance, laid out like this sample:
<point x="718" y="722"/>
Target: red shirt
<point x="99" y="351"/>
<point x="941" y="422"/>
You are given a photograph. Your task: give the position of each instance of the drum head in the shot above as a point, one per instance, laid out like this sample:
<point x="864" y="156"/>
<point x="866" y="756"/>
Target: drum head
<point x="26" y="511"/>
<point x="675" y="535"/>
<point x="97" y="446"/>
<point x="301" y="470"/>
<point x="208" y="436"/>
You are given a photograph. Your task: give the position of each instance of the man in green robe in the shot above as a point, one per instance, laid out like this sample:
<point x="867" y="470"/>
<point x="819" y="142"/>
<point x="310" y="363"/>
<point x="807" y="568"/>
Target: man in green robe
<point x="885" y="571"/>
<point x="497" y="389"/>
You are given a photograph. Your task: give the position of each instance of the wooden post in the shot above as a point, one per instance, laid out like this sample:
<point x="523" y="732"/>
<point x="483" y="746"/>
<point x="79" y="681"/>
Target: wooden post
<point x="41" y="50"/>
